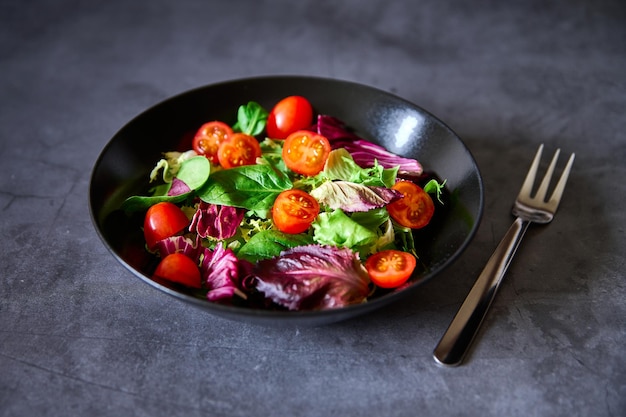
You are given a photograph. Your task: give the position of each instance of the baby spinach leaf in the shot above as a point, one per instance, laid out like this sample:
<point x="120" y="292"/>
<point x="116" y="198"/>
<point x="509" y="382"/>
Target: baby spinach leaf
<point x="270" y="243"/>
<point x="141" y="203"/>
<point x="251" y="119"/>
<point x="192" y="172"/>
<point x="253" y="187"/>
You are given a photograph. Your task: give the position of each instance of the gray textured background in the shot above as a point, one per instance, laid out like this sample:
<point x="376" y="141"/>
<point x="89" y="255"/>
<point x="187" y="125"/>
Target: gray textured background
<point x="79" y="335"/>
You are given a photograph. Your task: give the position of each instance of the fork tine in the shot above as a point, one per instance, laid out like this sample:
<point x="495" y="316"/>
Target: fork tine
<point x="555" y="199"/>
<point x="542" y="191"/>
<point x="527" y="186"/>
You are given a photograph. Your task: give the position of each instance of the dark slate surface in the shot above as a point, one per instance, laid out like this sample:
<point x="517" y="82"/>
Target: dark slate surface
<point x="79" y="335"/>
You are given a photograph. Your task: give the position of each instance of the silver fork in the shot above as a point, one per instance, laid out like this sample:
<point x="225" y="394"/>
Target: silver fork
<point x="455" y="342"/>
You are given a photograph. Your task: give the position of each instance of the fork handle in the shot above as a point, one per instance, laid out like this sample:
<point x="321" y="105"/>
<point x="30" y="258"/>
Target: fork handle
<point x="455" y="342"/>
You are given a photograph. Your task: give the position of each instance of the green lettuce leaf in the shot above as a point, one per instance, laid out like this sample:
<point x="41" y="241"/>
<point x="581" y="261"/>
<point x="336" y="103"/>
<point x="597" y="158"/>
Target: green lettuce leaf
<point x="338" y="229"/>
<point x="372" y="219"/>
<point x="272" y="154"/>
<point x="353" y="197"/>
<point x="433" y="187"/>
<point x="341" y="166"/>
<point x="378" y="220"/>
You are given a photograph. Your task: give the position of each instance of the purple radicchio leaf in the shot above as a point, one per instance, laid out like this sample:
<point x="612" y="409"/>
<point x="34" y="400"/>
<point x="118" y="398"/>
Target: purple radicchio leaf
<point x="313" y="277"/>
<point x="211" y="220"/>
<point x="363" y="152"/>
<point x="333" y="129"/>
<point x="221" y="271"/>
<point x="352" y="197"/>
<point x="178" y="187"/>
<point x="179" y="244"/>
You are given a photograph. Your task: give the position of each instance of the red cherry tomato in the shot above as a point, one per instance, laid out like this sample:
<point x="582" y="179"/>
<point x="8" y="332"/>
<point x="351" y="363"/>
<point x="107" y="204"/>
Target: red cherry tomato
<point x="209" y="138"/>
<point x="306" y="152"/>
<point x="294" y="211"/>
<point x="390" y="268"/>
<point x="415" y="209"/>
<point x="289" y="115"/>
<point x="179" y="268"/>
<point x="163" y="220"/>
<point x="239" y="150"/>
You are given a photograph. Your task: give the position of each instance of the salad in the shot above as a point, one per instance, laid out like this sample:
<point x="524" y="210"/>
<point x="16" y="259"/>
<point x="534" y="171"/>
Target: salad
<point x="285" y="209"/>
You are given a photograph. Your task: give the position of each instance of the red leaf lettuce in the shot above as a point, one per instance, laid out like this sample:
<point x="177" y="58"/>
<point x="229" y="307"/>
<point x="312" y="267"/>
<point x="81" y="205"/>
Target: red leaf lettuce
<point x="313" y="277"/>
<point x="222" y="273"/>
<point x="212" y="220"/>
<point x="363" y="151"/>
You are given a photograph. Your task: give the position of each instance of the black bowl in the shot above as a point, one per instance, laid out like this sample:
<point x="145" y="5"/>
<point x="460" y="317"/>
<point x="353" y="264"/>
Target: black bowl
<point x="400" y="126"/>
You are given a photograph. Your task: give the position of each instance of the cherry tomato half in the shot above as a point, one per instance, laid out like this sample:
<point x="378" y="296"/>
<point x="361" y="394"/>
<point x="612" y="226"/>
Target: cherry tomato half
<point x="415" y="209"/>
<point x="289" y="115"/>
<point x="178" y="267"/>
<point x="163" y="220"/>
<point x="209" y="138"/>
<point x="306" y="152"/>
<point x="390" y="268"/>
<point x="239" y="150"/>
<point x="294" y="211"/>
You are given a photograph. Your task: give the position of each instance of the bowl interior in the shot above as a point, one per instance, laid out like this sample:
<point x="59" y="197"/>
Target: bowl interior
<point x="400" y="126"/>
